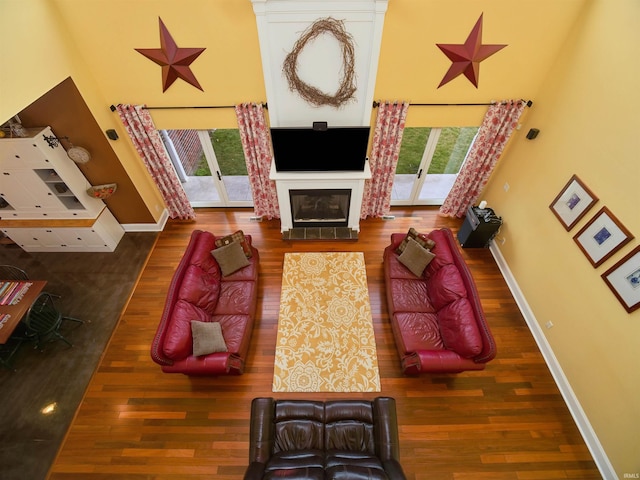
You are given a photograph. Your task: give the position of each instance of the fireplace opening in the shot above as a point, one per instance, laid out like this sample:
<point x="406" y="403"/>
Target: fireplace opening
<point x="320" y="207"/>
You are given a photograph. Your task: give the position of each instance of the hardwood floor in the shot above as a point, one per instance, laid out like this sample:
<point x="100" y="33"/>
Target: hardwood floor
<point x="507" y="422"/>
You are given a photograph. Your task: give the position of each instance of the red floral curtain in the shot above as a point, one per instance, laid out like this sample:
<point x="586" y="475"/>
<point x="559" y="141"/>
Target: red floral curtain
<point x="387" y="138"/>
<point x="139" y="125"/>
<point x="256" y="145"/>
<point x="494" y="133"/>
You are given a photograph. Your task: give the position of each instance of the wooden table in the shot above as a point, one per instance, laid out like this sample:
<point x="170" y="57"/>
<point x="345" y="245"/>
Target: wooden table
<point x="19" y="310"/>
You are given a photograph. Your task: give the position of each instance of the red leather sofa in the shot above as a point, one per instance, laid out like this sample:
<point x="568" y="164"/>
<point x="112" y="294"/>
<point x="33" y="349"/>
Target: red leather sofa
<point x="437" y="320"/>
<point x="198" y="291"/>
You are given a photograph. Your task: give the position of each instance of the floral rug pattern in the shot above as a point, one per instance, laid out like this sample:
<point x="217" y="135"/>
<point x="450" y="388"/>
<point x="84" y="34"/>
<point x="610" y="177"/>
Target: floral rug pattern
<point x="325" y="340"/>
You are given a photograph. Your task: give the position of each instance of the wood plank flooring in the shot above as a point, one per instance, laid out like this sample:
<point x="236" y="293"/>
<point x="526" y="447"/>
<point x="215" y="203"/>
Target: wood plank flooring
<point x="507" y="422"/>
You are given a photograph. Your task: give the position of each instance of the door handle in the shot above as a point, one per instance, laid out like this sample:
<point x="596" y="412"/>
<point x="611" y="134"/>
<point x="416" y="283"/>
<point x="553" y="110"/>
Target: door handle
<point x="219" y="176"/>
<point x="419" y="173"/>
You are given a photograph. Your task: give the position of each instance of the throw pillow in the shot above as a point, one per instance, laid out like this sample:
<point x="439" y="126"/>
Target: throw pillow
<point x="237" y="236"/>
<point x="415" y="257"/>
<point x="421" y="238"/>
<point x="207" y="338"/>
<point x="231" y="258"/>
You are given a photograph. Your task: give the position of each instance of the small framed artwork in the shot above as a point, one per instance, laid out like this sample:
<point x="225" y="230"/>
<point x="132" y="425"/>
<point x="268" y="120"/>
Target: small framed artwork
<point x="602" y="236"/>
<point x="573" y="202"/>
<point x="624" y="280"/>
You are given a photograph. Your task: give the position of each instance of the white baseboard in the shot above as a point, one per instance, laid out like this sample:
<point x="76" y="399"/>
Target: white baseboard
<point x="582" y="422"/>
<point x="148" y="227"/>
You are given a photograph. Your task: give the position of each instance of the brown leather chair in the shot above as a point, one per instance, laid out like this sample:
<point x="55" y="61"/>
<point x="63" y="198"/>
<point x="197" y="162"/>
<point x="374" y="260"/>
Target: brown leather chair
<point x="337" y="440"/>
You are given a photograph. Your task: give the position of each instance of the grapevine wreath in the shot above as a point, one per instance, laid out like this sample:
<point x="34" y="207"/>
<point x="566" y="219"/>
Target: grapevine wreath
<point x="347" y="85"/>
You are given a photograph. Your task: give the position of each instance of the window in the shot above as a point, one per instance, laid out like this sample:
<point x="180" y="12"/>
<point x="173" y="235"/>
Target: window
<point x="211" y="166"/>
<point x="429" y="162"/>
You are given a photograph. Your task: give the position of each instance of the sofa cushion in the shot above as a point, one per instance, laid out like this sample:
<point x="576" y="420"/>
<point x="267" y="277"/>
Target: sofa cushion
<point x="178" y="342"/>
<point x="200" y="288"/>
<point x="235" y="331"/>
<point x="395" y="269"/>
<point x="410" y="295"/>
<point x="418" y="331"/>
<point x="348" y="465"/>
<point x="459" y="328"/>
<point x="296" y="464"/>
<point x="415" y="257"/>
<point x="207" y="338"/>
<point x="231" y="258"/>
<point x="421" y="238"/>
<point x="235" y="298"/>
<point x="445" y="286"/>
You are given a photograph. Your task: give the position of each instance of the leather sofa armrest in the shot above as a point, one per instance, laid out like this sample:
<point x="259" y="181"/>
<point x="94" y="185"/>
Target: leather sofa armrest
<point x="438" y="361"/>
<point x="386" y="428"/>
<point x="393" y="469"/>
<point x="261" y="430"/>
<point x="488" y="352"/>
<point x="255" y="471"/>
<point x="222" y="363"/>
<point x="157" y="345"/>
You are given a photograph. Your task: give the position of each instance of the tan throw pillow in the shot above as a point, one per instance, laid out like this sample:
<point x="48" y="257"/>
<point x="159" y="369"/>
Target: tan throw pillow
<point x="207" y="338"/>
<point x="415" y="257"/>
<point x="231" y="258"/>
<point x="237" y="236"/>
<point x="421" y="238"/>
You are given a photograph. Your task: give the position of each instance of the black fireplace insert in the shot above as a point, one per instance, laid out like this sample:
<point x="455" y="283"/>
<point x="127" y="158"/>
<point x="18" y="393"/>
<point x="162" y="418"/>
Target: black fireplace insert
<point x="320" y="207"/>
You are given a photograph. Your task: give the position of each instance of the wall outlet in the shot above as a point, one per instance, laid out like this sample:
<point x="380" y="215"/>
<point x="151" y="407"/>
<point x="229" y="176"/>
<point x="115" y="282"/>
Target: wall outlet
<point x="549" y="324"/>
<point x="506" y="187"/>
<point x="502" y="240"/>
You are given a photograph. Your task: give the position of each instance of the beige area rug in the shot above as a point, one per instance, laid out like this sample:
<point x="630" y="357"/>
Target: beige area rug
<point x="325" y="339"/>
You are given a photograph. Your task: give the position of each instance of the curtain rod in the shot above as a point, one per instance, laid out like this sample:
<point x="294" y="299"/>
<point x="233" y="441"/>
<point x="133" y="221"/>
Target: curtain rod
<point x="377" y="104"/>
<point x="113" y="108"/>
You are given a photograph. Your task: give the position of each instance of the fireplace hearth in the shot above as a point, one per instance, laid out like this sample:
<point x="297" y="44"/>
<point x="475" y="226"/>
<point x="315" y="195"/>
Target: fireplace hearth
<point x="320" y="207"/>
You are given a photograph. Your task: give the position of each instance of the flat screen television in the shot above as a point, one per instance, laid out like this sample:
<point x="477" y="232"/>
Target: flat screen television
<point x="303" y="149"/>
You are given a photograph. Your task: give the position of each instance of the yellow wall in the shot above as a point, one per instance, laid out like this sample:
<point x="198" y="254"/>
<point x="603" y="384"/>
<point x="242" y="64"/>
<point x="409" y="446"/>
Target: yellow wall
<point x="587" y="113"/>
<point x="411" y="65"/>
<point x="229" y="70"/>
<point x="41" y="57"/>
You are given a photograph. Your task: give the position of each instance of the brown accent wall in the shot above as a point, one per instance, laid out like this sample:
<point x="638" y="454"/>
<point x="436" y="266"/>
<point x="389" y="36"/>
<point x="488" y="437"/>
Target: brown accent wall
<point x="65" y="111"/>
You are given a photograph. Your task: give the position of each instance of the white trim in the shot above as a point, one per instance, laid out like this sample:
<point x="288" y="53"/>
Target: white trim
<point x="148" y="227"/>
<point x="579" y="416"/>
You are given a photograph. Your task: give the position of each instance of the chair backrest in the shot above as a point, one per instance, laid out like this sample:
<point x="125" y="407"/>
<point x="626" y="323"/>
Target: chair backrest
<point x="349" y="425"/>
<point x="11" y="272"/>
<point x="43" y="316"/>
<point x="355" y="425"/>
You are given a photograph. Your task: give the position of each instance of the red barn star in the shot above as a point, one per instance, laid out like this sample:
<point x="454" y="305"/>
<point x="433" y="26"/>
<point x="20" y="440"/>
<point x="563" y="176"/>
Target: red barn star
<point x="173" y="60"/>
<point x="466" y="58"/>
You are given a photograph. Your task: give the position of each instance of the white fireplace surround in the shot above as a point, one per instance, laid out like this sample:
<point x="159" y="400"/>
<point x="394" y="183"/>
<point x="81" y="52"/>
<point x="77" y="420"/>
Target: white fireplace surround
<point x="353" y="181"/>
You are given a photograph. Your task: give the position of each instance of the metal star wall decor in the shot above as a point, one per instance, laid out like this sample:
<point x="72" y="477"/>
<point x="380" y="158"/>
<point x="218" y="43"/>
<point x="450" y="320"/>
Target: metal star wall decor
<point x="466" y="58"/>
<point x="174" y="61"/>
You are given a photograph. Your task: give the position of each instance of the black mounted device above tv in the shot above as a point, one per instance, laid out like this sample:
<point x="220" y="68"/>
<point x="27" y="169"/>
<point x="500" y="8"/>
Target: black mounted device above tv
<point x="309" y="149"/>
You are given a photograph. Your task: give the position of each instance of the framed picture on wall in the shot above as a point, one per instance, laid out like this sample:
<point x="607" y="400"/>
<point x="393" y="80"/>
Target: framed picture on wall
<point x="624" y="280"/>
<point x="573" y="202"/>
<point x="602" y="236"/>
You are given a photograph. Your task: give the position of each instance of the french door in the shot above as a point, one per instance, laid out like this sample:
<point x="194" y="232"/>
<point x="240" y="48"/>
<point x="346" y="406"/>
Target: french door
<point x="429" y="162"/>
<point x="211" y="166"/>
